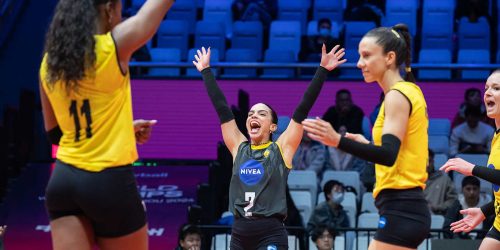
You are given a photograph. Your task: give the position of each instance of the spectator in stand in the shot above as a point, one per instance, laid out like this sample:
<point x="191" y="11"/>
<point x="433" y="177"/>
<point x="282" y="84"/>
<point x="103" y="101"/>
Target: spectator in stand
<point x="311" y="45"/>
<point x="329" y="213"/>
<point x="472" y="97"/>
<point x="365" y="10"/>
<point x="472" y="9"/>
<point x="440" y="191"/>
<point x="345" y="114"/>
<point x="323" y="237"/>
<point x="309" y="156"/>
<point x="469" y="198"/>
<point x="255" y="10"/>
<point x="473" y="136"/>
<point x="189" y="237"/>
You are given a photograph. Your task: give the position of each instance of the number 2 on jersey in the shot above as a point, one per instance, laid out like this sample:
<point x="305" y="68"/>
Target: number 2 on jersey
<point x="250" y="197"/>
<point x="84" y="110"/>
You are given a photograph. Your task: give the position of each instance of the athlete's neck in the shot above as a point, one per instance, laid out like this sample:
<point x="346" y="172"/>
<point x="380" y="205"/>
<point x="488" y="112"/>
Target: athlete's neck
<point x="259" y="143"/>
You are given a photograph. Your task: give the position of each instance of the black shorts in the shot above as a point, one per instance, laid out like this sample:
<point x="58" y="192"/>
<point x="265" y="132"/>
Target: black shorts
<point x="259" y="233"/>
<point x="405" y="219"/>
<point x="493" y="233"/>
<point x="109" y="199"/>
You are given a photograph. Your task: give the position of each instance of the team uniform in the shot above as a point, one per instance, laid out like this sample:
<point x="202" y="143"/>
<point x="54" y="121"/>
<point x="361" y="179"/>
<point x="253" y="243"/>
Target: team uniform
<point x="404" y="214"/>
<point x="257" y="197"/>
<point x="93" y="174"/>
<point x="494" y="163"/>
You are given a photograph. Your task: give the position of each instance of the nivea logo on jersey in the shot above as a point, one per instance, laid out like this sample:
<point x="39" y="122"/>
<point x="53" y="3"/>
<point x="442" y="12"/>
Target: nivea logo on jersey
<point x="495" y="187"/>
<point x="382" y="222"/>
<point x="251" y="172"/>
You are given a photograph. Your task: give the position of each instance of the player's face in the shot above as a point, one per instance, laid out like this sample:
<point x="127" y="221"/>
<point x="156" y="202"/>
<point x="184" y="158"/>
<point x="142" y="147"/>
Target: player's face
<point x="259" y="123"/>
<point x="191" y="242"/>
<point x="325" y="241"/>
<point x="372" y="60"/>
<point x="492" y="96"/>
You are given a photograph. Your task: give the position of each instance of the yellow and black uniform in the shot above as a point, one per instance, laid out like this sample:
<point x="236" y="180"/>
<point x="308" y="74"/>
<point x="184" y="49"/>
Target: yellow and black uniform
<point x="96" y="120"/>
<point x="257" y="197"/>
<point x="93" y="174"/>
<point x="409" y="170"/>
<point x="404" y="215"/>
<point x="492" y="174"/>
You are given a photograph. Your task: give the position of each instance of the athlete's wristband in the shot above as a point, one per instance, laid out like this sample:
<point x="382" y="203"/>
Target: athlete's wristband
<point x="310" y="95"/>
<point x="386" y="154"/>
<point x="216" y="96"/>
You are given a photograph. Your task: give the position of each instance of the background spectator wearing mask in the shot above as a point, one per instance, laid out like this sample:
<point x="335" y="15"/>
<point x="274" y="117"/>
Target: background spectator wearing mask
<point x="330" y="213"/>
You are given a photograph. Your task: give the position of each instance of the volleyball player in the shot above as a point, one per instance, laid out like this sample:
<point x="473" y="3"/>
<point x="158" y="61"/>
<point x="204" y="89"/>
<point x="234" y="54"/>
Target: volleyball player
<point x="257" y="195"/>
<point x="474" y="216"/>
<point x="400" y="148"/>
<point x="92" y="195"/>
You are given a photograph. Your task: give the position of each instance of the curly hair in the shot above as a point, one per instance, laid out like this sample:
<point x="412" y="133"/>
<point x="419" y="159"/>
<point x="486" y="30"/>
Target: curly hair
<point x="70" y="43"/>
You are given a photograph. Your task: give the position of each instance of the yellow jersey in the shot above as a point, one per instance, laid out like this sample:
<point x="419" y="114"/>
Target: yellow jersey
<point x="96" y="120"/>
<point x="409" y="170"/>
<point x="494" y="163"/>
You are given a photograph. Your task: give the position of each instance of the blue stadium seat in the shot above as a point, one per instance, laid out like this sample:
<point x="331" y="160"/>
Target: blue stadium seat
<point x="439" y="160"/>
<point x="434" y="56"/>
<point x="285" y="35"/>
<point x="439" y="126"/>
<point x="283" y="122"/>
<point x="366" y="127"/>
<point x="474" y="56"/>
<point x="397" y="11"/>
<point x="136" y="5"/>
<point x="474" y="35"/>
<point x="248" y="35"/>
<point x="354" y="31"/>
<point x="210" y="34"/>
<point x="219" y="11"/>
<point x="437" y="24"/>
<point x="293" y="10"/>
<point x="192" y="71"/>
<point x="331" y="9"/>
<point x="173" y="34"/>
<point x="164" y="55"/>
<point x="184" y="10"/>
<point x="240" y="55"/>
<point x="440" y="144"/>
<point x="352" y="56"/>
<point x="282" y="56"/>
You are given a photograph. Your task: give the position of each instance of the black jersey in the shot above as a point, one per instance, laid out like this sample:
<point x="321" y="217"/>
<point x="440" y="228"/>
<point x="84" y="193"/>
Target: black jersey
<point x="258" y="183"/>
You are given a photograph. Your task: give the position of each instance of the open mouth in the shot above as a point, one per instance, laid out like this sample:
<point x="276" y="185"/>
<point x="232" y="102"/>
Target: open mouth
<point x="254" y="127"/>
<point x="490" y="104"/>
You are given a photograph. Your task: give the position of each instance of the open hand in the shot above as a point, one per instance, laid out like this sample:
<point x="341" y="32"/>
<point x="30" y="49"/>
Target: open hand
<point x="332" y="59"/>
<point x="202" y="59"/>
<point x="321" y="131"/>
<point x="357" y="137"/>
<point x="459" y="165"/>
<point x="142" y="129"/>
<point x="473" y="216"/>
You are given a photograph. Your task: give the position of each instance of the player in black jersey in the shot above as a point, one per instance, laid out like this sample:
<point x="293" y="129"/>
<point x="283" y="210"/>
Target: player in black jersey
<point x="257" y="195"/>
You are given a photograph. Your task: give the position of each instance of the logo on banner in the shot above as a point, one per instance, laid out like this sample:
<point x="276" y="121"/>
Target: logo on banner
<point x="251" y="172"/>
<point x="163" y="194"/>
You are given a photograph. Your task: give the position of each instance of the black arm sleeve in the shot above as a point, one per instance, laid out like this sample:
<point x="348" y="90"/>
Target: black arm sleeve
<point x="488" y="209"/>
<point x="216" y="96"/>
<point x="491" y="175"/>
<point x="54" y="135"/>
<point x="310" y="95"/>
<point x="386" y="154"/>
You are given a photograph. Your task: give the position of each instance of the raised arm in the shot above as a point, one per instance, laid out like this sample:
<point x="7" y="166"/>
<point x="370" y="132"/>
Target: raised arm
<point x="230" y="132"/>
<point x="134" y="32"/>
<point x="397" y="112"/>
<point x="290" y="138"/>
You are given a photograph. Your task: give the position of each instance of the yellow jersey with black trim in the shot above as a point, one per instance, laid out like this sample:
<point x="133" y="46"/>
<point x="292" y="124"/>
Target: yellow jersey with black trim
<point x="409" y="170"/>
<point x="494" y="163"/>
<point x="96" y="119"/>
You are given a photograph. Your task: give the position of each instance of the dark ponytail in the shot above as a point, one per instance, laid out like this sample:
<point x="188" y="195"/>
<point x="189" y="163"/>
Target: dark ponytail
<point x="402" y="29"/>
<point x="397" y="39"/>
<point x="70" y="42"/>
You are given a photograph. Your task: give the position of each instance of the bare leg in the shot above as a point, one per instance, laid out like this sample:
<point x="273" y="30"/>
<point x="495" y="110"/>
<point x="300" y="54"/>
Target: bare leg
<point x="72" y="232"/>
<point x="489" y="244"/>
<point x="137" y="240"/>
<point x="379" y="245"/>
